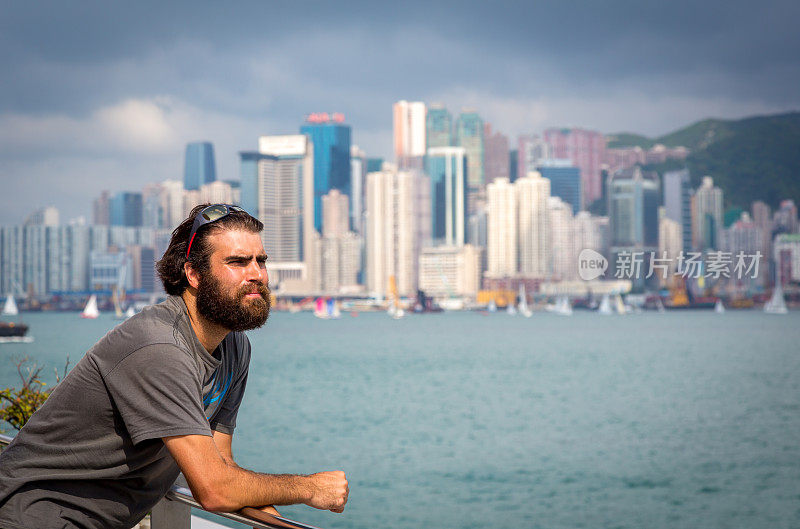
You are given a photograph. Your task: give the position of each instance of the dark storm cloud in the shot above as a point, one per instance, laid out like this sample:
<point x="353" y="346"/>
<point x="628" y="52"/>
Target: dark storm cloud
<point x="115" y="89"/>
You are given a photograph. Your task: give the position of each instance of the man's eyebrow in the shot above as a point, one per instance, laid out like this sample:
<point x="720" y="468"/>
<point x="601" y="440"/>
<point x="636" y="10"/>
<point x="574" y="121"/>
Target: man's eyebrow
<point x="231" y="258"/>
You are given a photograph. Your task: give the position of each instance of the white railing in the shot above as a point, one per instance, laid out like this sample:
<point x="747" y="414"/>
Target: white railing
<point x="175" y="511"/>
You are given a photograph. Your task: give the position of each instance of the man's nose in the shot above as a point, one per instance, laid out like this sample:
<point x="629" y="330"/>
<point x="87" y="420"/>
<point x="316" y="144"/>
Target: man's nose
<point x="256" y="272"/>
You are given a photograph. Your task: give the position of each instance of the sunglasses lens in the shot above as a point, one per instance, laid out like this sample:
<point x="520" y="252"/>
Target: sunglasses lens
<point x="214" y="213"/>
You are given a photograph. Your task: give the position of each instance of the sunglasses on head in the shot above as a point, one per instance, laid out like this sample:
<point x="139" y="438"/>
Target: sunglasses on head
<point x="208" y="215"/>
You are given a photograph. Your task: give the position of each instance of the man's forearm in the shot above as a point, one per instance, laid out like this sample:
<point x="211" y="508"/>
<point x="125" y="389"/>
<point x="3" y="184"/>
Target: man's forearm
<point x="220" y="485"/>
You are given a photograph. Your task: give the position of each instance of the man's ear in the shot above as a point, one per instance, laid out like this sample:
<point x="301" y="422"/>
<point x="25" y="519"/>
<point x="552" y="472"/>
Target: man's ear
<point x="192" y="276"/>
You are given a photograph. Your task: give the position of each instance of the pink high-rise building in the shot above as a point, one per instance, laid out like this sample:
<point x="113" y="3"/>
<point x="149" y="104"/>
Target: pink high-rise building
<point x="495" y="154"/>
<point x="586" y="149"/>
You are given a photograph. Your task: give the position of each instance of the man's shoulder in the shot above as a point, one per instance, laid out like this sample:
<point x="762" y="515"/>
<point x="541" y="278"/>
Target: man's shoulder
<point x="156" y="325"/>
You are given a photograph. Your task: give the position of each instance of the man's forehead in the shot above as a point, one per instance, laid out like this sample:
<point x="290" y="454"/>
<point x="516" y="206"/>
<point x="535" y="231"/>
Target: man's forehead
<point x="236" y="242"/>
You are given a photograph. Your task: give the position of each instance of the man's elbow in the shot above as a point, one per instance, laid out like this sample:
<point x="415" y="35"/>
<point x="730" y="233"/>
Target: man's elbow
<point x="212" y="497"/>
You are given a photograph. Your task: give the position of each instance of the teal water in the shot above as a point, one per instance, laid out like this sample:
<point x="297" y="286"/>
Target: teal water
<point x="461" y="420"/>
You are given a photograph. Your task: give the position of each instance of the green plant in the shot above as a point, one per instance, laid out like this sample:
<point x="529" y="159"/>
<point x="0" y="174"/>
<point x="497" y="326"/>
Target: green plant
<point x="18" y="405"/>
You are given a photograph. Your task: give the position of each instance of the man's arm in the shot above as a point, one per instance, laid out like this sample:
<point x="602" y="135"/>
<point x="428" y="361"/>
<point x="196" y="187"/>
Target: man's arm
<point x="224" y="444"/>
<point x="220" y="486"/>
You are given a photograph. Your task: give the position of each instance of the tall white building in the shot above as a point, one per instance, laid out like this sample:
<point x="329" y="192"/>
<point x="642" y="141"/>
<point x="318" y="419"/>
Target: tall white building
<point x="502" y="241"/>
<point x="391" y="226"/>
<point x="409" y="133"/>
<point x="670" y="244"/>
<point x="564" y="259"/>
<point x="335" y="214"/>
<point x="339" y="249"/>
<point x="285" y="189"/>
<point x="358" y="180"/>
<point x="707" y="216"/>
<point x="533" y="225"/>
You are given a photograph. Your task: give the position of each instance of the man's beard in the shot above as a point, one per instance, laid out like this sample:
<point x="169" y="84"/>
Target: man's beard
<point x="235" y="313"/>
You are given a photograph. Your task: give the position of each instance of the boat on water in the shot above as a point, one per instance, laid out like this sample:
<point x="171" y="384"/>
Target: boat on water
<point x="776" y="304"/>
<point x="719" y="308"/>
<point x="605" y="306"/>
<point x="523" y="307"/>
<point x="563" y="306"/>
<point x="492" y="307"/>
<point x="90" y="311"/>
<point x="12" y="331"/>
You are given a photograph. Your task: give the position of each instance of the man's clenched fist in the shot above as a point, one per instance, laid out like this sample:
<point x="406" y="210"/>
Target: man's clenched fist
<point x="329" y="491"/>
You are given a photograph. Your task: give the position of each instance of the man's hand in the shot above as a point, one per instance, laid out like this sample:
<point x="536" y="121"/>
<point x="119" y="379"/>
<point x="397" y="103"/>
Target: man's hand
<point x="329" y="491"/>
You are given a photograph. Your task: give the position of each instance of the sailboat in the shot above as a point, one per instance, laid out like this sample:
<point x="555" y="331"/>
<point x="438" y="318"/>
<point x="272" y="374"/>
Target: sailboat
<point x="563" y="307"/>
<point x="492" y="307"/>
<point x="511" y="310"/>
<point x="719" y="308"/>
<point x="10" y="307"/>
<point x="320" y="309"/>
<point x="90" y="311"/>
<point x="619" y="306"/>
<point x="12" y="331"/>
<point x="776" y="304"/>
<point x="523" y="302"/>
<point x="605" y="306"/>
<point x="333" y="309"/>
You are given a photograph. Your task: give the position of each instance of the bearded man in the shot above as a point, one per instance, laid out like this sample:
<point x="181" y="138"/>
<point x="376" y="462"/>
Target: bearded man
<point x="159" y="395"/>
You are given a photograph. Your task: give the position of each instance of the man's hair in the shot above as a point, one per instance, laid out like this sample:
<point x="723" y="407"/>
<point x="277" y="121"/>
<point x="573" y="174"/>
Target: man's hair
<point x="170" y="267"/>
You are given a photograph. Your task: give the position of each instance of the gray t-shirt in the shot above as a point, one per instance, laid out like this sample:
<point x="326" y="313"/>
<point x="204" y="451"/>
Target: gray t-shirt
<point x="92" y="455"/>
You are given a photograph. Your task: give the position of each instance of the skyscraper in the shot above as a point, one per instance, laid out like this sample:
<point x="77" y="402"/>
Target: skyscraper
<point x="678" y="203"/>
<point x="586" y="149"/>
<point x="564" y="258"/>
<point x="531" y="151"/>
<point x="495" y="155"/>
<point x="390" y="231"/>
<point x="469" y="136"/>
<point x="533" y="225"/>
<point x="331" y="141"/>
<point x="502" y="228"/>
<point x="126" y="209"/>
<point x="335" y="214"/>
<point x="358" y="181"/>
<point x="409" y="133"/>
<point x="633" y="209"/>
<point x="565" y="181"/>
<point x="438" y="127"/>
<point x="633" y="198"/>
<point x="284" y="175"/>
<point x="199" y="167"/>
<point x="447" y="169"/>
<point x="707" y="217"/>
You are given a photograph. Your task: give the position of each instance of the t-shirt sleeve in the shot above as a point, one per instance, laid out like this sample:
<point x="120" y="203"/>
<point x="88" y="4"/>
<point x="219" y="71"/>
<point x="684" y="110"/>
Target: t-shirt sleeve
<point x="158" y="394"/>
<point x="225" y="419"/>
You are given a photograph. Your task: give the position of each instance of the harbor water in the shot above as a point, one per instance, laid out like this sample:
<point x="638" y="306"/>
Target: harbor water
<point x="468" y="420"/>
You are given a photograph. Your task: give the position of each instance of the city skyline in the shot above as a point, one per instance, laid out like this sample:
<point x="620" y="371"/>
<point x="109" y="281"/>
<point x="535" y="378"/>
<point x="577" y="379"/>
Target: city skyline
<point x="112" y="104"/>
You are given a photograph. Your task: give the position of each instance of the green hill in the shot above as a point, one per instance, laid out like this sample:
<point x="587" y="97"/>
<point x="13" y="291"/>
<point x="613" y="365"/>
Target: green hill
<point x="751" y="159"/>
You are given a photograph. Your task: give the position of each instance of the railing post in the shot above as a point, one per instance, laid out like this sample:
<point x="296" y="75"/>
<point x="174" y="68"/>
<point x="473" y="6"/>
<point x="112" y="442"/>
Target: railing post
<point x="168" y="514"/>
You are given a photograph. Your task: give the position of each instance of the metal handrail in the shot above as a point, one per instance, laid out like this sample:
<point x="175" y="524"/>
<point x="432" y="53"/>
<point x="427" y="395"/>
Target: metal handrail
<point x="248" y="515"/>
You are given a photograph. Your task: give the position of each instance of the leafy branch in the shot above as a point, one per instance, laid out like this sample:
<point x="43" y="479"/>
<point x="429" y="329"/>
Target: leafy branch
<point x="17" y="405"/>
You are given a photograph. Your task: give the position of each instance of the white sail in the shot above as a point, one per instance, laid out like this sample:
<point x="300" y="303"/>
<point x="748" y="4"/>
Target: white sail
<point x="10" y="308"/>
<point x="523" y="302"/>
<point x="90" y="311"/>
<point x="563" y="306"/>
<point x="719" y="308"/>
<point x="511" y="310"/>
<point x="776" y="304"/>
<point x="492" y="307"/>
<point x="605" y="306"/>
<point x="619" y="306"/>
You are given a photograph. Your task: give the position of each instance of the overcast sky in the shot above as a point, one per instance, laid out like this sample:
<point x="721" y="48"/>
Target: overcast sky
<point x="105" y="95"/>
